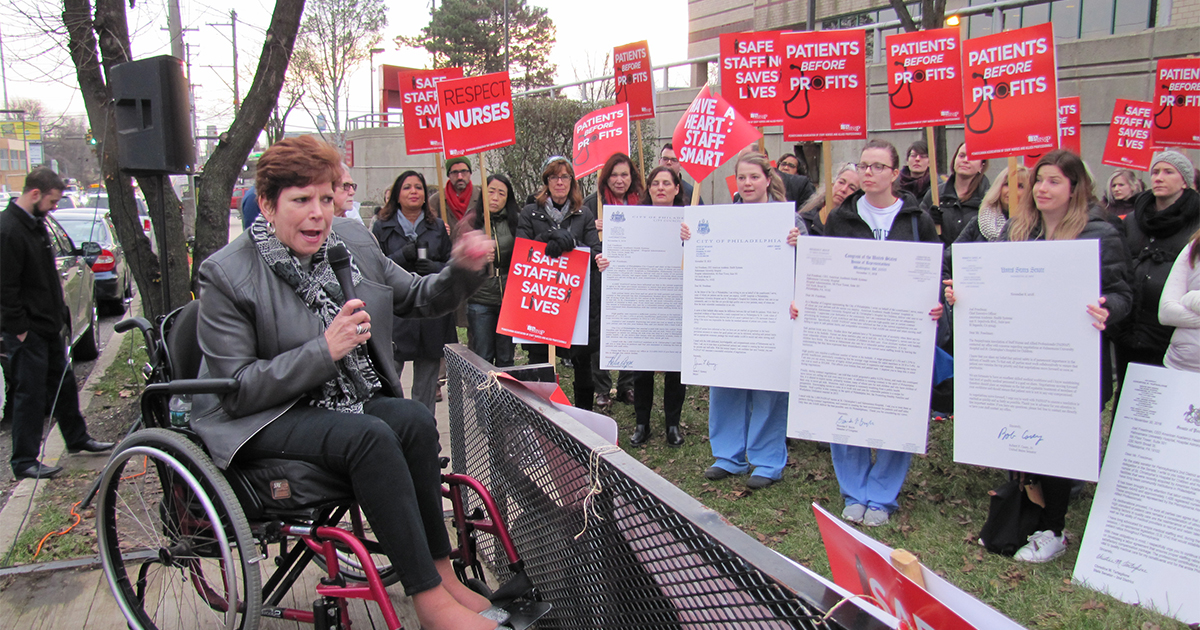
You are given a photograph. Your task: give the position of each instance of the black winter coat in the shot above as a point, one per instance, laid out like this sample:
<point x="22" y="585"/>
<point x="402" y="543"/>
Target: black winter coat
<point x="418" y="338"/>
<point x="535" y="222"/>
<point x="31" y="295"/>
<point x="844" y="222"/>
<point x="952" y="213"/>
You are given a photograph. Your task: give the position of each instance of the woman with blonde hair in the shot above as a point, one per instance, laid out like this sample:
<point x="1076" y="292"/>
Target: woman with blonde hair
<point x="813" y="214"/>
<point x="1123" y="186"/>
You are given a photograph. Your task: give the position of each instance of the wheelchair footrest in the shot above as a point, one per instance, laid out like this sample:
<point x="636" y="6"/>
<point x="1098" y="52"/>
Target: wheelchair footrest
<point x="524" y="613"/>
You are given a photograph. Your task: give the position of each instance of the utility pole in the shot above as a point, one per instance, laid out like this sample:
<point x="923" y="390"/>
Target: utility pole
<point x="3" y="71"/>
<point x="175" y="26"/>
<point x="237" y="99"/>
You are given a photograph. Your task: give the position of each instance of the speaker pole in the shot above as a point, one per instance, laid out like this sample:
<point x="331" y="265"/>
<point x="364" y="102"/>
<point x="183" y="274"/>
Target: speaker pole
<point x="160" y="234"/>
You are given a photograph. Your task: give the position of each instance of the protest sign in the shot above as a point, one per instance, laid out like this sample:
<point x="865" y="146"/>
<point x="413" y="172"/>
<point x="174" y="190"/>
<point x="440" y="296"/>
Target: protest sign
<point x="631" y="67"/>
<point x="924" y="78"/>
<point x="824" y="85"/>
<point x="476" y="113"/>
<point x="598" y="135"/>
<point x="710" y="132"/>
<point x="1069" y="129"/>
<point x="750" y="64"/>
<point x="1010" y="93"/>
<point x="543" y="294"/>
<point x="419" y="105"/>
<point x="1177" y="103"/>
<point x="1128" y="144"/>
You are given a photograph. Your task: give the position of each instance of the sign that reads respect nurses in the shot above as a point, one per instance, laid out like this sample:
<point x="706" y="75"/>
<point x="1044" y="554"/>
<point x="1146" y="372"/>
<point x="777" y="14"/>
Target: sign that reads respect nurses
<point x="824" y="85"/>
<point x="1128" y="144"/>
<point x="542" y="296"/>
<point x="750" y="64"/>
<point x="1177" y="103"/>
<point x="1010" y="93"/>
<point x="599" y="135"/>
<point x="709" y="134"/>
<point x="477" y="114"/>
<point x="924" y="71"/>
<point x="631" y="68"/>
<point x="419" y="104"/>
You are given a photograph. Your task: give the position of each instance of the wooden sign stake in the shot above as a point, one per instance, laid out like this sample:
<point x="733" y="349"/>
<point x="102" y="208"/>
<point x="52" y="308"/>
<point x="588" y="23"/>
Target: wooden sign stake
<point x="600" y="203"/>
<point x="1013" y="192"/>
<point x="827" y="169"/>
<point x="641" y="155"/>
<point x="487" y="214"/>
<point x="441" y="175"/>
<point x="933" y="173"/>
<point x="909" y="565"/>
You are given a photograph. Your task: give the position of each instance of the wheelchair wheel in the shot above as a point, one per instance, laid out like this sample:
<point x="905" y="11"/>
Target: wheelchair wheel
<point x="174" y="542"/>
<point x="354" y="521"/>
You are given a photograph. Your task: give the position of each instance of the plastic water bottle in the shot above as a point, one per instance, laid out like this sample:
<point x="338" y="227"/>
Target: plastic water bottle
<point x="180" y="410"/>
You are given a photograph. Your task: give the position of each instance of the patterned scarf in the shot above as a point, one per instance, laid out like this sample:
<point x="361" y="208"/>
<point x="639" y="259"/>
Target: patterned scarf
<point x="318" y="288"/>
<point x="555" y="214"/>
<point x="991" y="222"/>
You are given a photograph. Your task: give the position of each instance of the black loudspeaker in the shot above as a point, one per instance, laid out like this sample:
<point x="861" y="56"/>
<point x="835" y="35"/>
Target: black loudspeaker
<point x="154" y="129"/>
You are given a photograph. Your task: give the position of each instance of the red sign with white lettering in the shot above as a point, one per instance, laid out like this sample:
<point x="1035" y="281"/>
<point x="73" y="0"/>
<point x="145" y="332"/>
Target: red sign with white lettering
<point x="924" y="71"/>
<point x="476" y="114"/>
<point x="598" y="136"/>
<point x="543" y="293"/>
<point x="1010" y="93"/>
<point x="824" y="85"/>
<point x="419" y="103"/>
<point x="1177" y="103"/>
<point x="1128" y="144"/>
<point x="1069" y="129"/>
<point x="750" y="64"/>
<point x="631" y="67"/>
<point x="709" y="134"/>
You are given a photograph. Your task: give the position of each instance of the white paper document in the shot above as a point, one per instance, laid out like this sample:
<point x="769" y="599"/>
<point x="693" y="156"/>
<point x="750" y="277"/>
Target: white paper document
<point x="863" y="344"/>
<point x="737" y="285"/>
<point x="1027" y="358"/>
<point x="1142" y="543"/>
<point x="641" y="317"/>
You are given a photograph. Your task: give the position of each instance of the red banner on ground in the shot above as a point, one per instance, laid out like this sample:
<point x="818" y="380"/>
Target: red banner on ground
<point x="476" y="114"/>
<point x="1070" y="129"/>
<point x="925" y="78"/>
<point x="631" y="66"/>
<point x="1128" y="144"/>
<point x="1177" y="103"/>
<point x="709" y="134"/>
<point x="419" y="104"/>
<point x="824" y="85"/>
<point x="750" y="73"/>
<point x="1010" y="93"/>
<point x="543" y="293"/>
<point x="599" y="135"/>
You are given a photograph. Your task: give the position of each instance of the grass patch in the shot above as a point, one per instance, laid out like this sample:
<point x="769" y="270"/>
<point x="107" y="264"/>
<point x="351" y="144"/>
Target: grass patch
<point x="52" y="513"/>
<point x="123" y="379"/>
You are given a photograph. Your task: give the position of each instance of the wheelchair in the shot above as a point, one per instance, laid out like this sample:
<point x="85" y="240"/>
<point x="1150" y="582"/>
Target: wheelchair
<point x="184" y="544"/>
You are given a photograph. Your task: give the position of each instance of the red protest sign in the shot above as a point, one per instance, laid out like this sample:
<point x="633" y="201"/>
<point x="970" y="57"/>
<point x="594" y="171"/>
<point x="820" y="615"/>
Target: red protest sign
<point x="1069" y="129"/>
<point x="476" y="113"/>
<point x="750" y="65"/>
<point x="419" y="104"/>
<point x="824" y="85"/>
<point x="1177" y="103"/>
<point x="924" y="78"/>
<point x="1010" y="93"/>
<point x="710" y="132"/>
<point x="631" y="66"/>
<point x="543" y="294"/>
<point x="1128" y="144"/>
<point x="599" y="135"/>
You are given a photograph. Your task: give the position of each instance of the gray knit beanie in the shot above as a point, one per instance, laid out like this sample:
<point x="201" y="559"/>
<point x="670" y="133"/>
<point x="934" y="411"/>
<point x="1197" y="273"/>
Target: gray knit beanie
<point x="1181" y="164"/>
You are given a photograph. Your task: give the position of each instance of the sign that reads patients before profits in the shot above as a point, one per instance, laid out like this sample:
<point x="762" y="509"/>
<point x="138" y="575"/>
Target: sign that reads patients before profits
<point x="824" y="85"/>
<point x="1128" y="144"/>
<point x="1069" y="129"/>
<point x="924" y="70"/>
<point x="542" y="296"/>
<point x="419" y="104"/>
<point x="1010" y="93"/>
<point x="1177" y="103"/>
<point x="631" y="67"/>
<point x="477" y="114"/>
<point x="750" y="64"/>
<point x="709" y="134"/>
<point x="599" y="135"/>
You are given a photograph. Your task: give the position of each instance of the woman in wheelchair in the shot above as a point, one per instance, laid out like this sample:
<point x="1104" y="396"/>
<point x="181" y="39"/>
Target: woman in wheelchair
<point x="316" y="382"/>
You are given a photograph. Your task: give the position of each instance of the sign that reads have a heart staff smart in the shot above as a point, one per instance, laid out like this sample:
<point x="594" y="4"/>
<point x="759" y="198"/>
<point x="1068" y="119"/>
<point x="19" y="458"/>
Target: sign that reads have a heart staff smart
<point x="419" y="104"/>
<point x="924" y="70"/>
<point x="750" y="65"/>
<point x="709" y="134"/>
<point x="631" y="68"/>
<point x="824" y="85"/>
<point x="477" y="114"/>
<point x="599" y="135"/>
<point x="1010" y="93"/>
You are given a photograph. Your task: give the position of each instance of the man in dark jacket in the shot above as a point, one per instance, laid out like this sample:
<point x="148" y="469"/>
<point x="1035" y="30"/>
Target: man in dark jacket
<point x="33" y="313"/>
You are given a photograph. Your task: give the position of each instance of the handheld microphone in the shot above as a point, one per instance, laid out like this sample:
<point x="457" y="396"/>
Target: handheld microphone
<point x="339" y="259"/>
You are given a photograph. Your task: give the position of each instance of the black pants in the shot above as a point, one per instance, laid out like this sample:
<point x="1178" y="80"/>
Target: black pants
<point x="38" y="366"/>
<point x="1056" y="492"/>
<point x="673" y="395"/>
<point x="390" y="454"/>
<point x="581" y="357"/>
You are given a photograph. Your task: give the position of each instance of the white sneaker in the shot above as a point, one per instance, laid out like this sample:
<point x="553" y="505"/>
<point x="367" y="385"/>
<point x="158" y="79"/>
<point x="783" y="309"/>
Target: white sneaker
<point x="854" y="512"/>
<point x="875" y="517"/>
<point x="1043" y="546"/>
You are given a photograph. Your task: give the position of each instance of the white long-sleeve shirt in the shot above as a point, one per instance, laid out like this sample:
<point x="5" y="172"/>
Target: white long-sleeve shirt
<point x="1180" y="307"/>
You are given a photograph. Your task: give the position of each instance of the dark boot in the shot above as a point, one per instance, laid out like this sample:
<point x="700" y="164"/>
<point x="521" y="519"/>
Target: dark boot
<point x="641" y="435"/>
<point x="674" y="437"/>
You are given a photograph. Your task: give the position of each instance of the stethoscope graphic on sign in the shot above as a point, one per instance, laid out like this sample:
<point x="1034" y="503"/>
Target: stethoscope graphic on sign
<point x="905" y="85"/>
<point x="1169" y="109"/>
<point x="817" y="83"/>
<point x="1001" y="92"/>
<point x="585" y="152"/>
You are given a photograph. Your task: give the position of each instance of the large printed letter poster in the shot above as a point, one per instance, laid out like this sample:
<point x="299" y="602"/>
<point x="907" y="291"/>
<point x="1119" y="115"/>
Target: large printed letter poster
<point x="477" y="114"/>
<point x="419" y="105"/>
<point x="924" y="70"/>
<point x="1010" y="93"/>
<point x="750" y="64"/>
<point x="862" y="346"/>
<point x="1026" y="357"/>
<point x="1142" y="543"/>
<point x="543" y="294"/>
<point x="824" y="85"/>
<point x="1177" y="103"/>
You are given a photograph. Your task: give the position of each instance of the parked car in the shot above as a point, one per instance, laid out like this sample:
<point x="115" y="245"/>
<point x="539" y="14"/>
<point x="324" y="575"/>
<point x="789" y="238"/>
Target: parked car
<point x="100" y="201"/>
<point x="113" y="280"/>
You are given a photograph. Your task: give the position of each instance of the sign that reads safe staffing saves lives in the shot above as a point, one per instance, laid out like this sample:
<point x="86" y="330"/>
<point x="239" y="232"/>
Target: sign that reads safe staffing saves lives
<point x="543" y="293"/>
<point x="419" y="104"/>
<point x="1010" y="93"/>
<point x="477" y="114"/>
<point x="824" y="85"/>
<point x="750" y="75"/>
<point x="709" y="134"/>
<point x="1177" y="103"/>
<point x="1128" y="144"/>
<point x="631" y="67"/>
<point x="599" y="135"/>
<point x="924" y="71"/>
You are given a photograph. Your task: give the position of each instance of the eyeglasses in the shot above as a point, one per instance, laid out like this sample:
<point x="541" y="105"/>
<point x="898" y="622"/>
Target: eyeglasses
<point x="349" y="186"/>
<point x="462" y="172"/>
<point x="560" y="178"/>
<point x="668" y="160"/>
<point x="875" y="168"/>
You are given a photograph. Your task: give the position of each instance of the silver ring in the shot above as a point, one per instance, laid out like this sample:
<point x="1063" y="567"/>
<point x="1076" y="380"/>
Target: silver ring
<point x="360" y="329"/>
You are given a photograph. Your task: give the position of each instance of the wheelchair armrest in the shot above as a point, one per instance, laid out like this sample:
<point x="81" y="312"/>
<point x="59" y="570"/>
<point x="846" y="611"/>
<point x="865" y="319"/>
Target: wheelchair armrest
<point x="194" y="386"/>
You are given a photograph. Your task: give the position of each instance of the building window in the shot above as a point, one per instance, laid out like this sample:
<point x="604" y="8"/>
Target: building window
<point x="1072" y="19"/>
<point x="867" y="18"/>
<point x="4" y="159"/>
